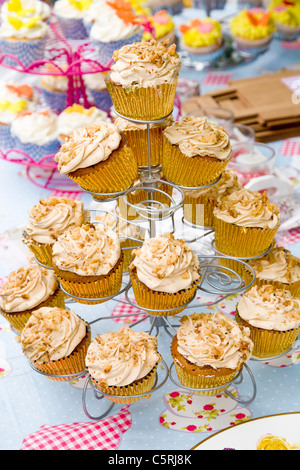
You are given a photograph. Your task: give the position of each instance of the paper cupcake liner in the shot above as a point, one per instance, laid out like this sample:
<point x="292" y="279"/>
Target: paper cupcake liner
<point x="147" y="298"/>
<point x="253" y="46"/>
<point x="72" y="28"/>
<point x="269" y="343"/>
<point x="138" y="141"/>
<point x="19" y="319"/>
<point x="136" y="388"/>
<point x="243" y="242"/>
<point x="115" y="174"/>
<point x="293" y="287"/>
<point x="142" y="103"/>
<point x="90" y="287"/>
<point x="199" y="210"/>
<point x="27" y="51"/>
<point x="7" y="141"/>
<point x="127" y="243"/>
<point x="190" y="171"/>
<point x="43" y="253"/>
<point x="210" y="56"/>
<point x="106" y="49"/>
<point x="101" y="99"/>
<point x="72" y="364"/>
<point x="37" y="151"/>
<point x="56" y="100"/>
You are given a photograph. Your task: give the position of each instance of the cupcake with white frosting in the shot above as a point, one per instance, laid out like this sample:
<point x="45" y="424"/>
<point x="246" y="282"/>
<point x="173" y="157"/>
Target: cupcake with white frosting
<point x="76" y="116"/>
<point x="273" y="316"/>
<point x="25" y="9"/>
<point x="245" y="224"/>
<point x="36" y="133"/>
<point x="27" y="289"/>
<point x="88" y="261"/>
<point x="142" y="81"/>
<point x="123" y="363"/>
<point x="209" y="350"/>
<point x="70" y="15"/>
<point x="196" y="152"/>
<point x="98" y="158"/>
<point x="164" y="273"/>
<point x="95" y="84"/>
<point x="48" y="219"/>
<point x="55" y="341"/>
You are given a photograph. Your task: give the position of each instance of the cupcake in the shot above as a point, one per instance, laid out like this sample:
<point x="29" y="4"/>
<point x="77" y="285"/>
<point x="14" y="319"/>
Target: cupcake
<point x="25" y="9"/>
<point x="54" y="90"/>
<point x="198" y="205"/>
<point x="14" y="99"/>
<point x="23" y="39"/>
<point x="286" y="16"/>
<point x="36" y="133"/>
<point x="88" y="262"/>
<point x="164" y="274"/>
<point x="142" y="82"/>
<point x="209" y="350"/>
<point x="137" y="136"/>
<point x="252" y="29"/>
<point x="95" y="84"/>
<point x="163" y="27"/>
<point x="70" y="15"/>
<point x="27" y="289"/>
<point x="98" y="158"/>
<point x="123" y="364"/>
<point x="55" y="341"/>
<point x="116" y="26"/>
<point x="76" y="116"/>
<point x="173" y="7"/>
<point x="245" y="224"/>
<point x="195" y="152"/>
<point x="273" y="316"/>
<point x="202" y="38"/>
<point x="280" y="268"/>
<point x="47" y="220"/>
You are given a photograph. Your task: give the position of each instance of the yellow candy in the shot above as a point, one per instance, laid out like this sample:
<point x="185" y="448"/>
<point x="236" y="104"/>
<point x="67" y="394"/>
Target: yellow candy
<point x="78" y="108"/>
<point x="15" y="107"/>
<point x="16" y="7"/>
<point x="81" y="4"/>
<point x="17" y="23"/>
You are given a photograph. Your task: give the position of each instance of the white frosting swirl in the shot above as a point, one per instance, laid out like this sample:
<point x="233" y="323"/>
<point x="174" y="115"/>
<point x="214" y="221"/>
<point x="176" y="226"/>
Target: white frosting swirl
<point x="64" y="9"/>
<point x="109" y="27"/>
<point x="13" y="102"/>
<point x="30" y="9"/>
<point x="269" y="308"/>
<point x="74" y="117"/>
<point x="38" y="127"/>
<point x="165" y="264"/>
<point x="36" y="31"/>
<point x="95" y="81"/>
<point x="121" y="357"/>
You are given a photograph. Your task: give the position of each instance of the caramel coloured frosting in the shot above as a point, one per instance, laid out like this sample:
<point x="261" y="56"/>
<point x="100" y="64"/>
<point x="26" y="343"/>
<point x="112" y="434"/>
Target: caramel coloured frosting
<point x="27" y="288"/>
<point x="277" y="265"/>
<point x="165" y="264"/>
<point x="52" y="334"/>
<point x="270" y="308"/>
<point x="196" y="136"/>
<point x="214" y="340"/>
<point x="248" y="209"/>
<point x="88" y="250"/>
<point x="52" y="216"/>
<point x="121" y="357"/>
<point x="87" y="146"/>
<point x="145" y="64"/>
<point x="228" y="183"/>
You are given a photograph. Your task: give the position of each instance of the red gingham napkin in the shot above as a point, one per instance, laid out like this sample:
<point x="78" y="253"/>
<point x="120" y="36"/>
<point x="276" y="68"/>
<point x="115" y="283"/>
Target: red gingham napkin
<point x="216" y="79"/>
<point x="124" y="309"/>
<point x="101" y="435"/>
<point x="290" y="148"/>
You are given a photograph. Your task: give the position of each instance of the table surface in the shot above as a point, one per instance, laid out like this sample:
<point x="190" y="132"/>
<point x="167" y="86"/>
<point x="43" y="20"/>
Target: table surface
<point x="171" y="419"/>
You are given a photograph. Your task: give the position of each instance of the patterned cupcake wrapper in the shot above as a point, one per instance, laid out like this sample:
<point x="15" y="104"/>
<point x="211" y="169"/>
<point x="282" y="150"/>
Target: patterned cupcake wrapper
<point x="43" y="253"/>
<point x="147" y="298"/>
<point x="243" y="242"/>
<point x="100" y="289"/>
<point x="106" y="49"/>
<point x="199" y="210"/>
<point x="253" y="47"/>
<point x="70" y="365"/>
<point x="18" y="320"/>
<point x="190" y="172"/>
<point x="142" y="103"/>
<point x="127" y="243"/>
<point x="27" y="52"/>
<point x="36" y="152"/>
<point x="102" y="99"/>
<point x="7" y="141"/>
<point x="136" y="388"/>
<point x="293" y="287"/>
<point x="54" y="99"/>
<point x="138" y="141"/>
<point x="115" y="174"/>
<point x="269" y="343"/>
<point x="72" y="28"/>
<point x="212" y="56"/>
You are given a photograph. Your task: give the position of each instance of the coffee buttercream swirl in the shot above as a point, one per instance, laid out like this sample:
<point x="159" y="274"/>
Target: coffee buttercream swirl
<point x="119" y="358"/>
<point x="278" y="265"/>
<point x="214" y="340"/>
<point x="165" y="264"/>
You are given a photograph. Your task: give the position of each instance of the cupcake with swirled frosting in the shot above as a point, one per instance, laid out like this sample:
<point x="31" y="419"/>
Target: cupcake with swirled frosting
<point x="164" y="273"/>
<point x="70" y="14"/>
<point x="123" y="363"/>
<point x="195" y="152"/>
<point x="98" y="158"/>
<point x="252" y="29"/>
<point x="142" y="81"/>
<point x="209" y="350"/>
<point x="273" y="316"/>
<point x="28" y="288"/>
<point x="286" y="16"/>
<point x="55" y="341"/>
<point x="88" y="261"/>
<point x="48" y="219"/>
<point x="245" y="224"/>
